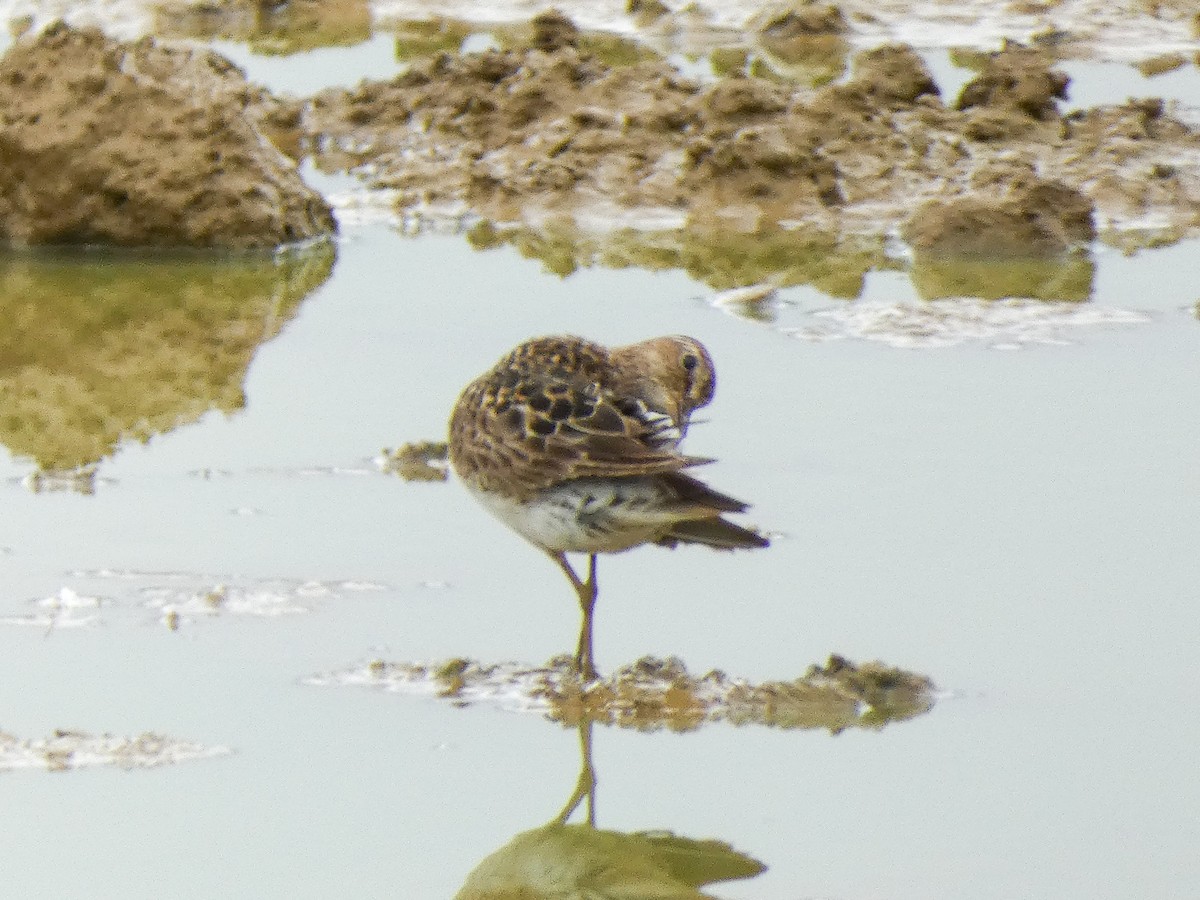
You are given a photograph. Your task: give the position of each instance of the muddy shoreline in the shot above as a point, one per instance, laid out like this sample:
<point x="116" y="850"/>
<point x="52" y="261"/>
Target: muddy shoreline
<point x="556" y="129"/>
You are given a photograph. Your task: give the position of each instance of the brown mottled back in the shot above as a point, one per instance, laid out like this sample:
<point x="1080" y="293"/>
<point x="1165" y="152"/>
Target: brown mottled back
<point x="549" y="411"/>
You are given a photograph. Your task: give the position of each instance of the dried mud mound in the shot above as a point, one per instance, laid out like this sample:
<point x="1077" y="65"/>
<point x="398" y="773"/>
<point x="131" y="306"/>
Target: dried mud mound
<point x="1018" y="214"/>
<point x="142" y="145"/>
<point x="551" y="129"/>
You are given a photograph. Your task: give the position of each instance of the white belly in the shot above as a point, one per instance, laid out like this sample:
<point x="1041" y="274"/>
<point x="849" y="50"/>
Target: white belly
<point x="586" y="516"/>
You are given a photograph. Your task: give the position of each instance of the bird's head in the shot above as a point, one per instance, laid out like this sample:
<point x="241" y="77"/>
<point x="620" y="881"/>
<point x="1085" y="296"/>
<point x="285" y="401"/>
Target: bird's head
<point x="672" y="375"/>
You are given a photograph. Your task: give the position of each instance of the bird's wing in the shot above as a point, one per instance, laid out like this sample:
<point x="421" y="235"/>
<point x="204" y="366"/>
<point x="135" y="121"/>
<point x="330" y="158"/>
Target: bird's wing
<point x="550" y="429"/>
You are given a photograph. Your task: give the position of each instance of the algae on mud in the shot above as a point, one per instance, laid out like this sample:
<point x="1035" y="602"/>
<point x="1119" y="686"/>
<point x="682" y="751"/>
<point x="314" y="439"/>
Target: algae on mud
<point x="100" y="348"/>
<point x="652" y="693"/>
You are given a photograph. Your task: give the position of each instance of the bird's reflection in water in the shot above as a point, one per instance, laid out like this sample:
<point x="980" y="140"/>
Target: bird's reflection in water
<point x="563" y="861"/>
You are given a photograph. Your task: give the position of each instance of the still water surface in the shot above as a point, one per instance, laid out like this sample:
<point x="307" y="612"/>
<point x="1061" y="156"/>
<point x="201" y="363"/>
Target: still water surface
<point x="1019" y="525"/>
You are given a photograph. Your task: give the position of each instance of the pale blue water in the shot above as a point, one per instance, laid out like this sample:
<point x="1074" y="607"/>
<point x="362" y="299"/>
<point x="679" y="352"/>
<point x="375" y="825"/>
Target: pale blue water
<point x="1020" y="526"/>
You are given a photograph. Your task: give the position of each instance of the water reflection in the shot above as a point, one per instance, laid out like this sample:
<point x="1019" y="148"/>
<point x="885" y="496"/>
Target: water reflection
<point x="787" y="257"/>
<point x="417" y="39"/>
<point x="271" y="29"/>
<point x="100" y="349"/>
<point x="722" y="259"/>
<point x="1067" y="277"/>
<point x="561" y="861"/>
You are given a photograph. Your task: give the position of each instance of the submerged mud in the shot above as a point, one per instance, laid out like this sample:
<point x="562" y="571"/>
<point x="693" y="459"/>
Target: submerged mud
<point x="68" y="750"/>
<point x="654" y="693"/>
<point x="416" y="461"/>
<point x="177" y="600"/>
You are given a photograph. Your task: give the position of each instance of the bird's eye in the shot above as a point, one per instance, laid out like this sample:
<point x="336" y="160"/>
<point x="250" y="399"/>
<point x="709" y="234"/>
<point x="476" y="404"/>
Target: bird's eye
<point x="690" y="361"/>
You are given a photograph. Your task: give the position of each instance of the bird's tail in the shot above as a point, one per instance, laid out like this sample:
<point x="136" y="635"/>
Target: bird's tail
<point x="715" y="532"/>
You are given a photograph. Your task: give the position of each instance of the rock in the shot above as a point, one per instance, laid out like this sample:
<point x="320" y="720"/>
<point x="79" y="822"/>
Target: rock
<point x="141" y="145"/>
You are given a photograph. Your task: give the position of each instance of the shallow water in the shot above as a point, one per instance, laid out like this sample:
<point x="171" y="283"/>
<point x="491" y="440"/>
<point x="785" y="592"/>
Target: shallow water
<point x="1018" y="524"/>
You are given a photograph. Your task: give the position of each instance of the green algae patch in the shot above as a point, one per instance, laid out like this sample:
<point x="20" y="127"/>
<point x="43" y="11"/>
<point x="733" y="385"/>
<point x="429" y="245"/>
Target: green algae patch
<point x="653" y="694"/>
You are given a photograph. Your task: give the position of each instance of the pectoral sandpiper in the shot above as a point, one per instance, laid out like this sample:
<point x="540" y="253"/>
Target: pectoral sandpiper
<point x="575" y="447"/>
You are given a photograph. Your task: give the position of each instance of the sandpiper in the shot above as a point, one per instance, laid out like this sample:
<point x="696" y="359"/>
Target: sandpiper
<point x="575" y="447"/>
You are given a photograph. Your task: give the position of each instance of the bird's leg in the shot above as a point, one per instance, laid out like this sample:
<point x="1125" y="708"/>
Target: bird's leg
<point x="586" y="591"/>
<point x="584" y="660"/>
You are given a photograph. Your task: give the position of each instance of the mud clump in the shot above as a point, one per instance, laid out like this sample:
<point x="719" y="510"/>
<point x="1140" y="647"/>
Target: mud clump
<point x="1016" y="89"/>
<point x="788" y="22"/>
<point x="1027" y="217"/>
<point x="653" y="693"/>
<point x="548" y="132"/>
<point x="557" y="129"/>
<point x="417" y="461"/>
<point x="142" y="145"/>
<point x="893" y="74"/>
<point x="554" y="31"/>
<point x="1017" y="78"/>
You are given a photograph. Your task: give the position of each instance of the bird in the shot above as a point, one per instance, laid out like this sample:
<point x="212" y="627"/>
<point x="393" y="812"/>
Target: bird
<point x="575" y="446"/>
